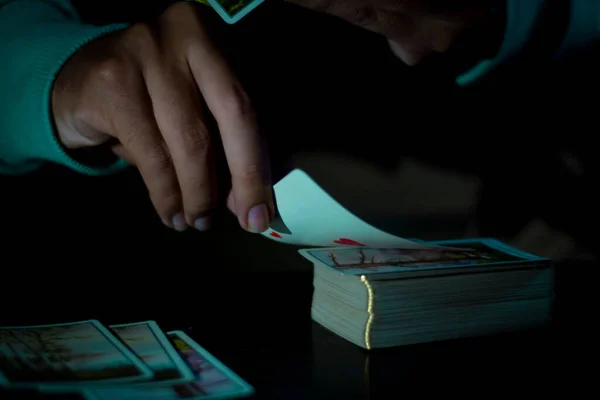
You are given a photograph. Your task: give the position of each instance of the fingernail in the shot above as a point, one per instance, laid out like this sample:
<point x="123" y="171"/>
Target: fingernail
<point x="179" y="223"/>
<point x="258" y="219"/>
<point x="202" y="224"/>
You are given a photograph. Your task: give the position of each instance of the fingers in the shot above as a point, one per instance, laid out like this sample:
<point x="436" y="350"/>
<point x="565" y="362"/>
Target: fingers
<point x="177" y="108"/>
<point x="154" y="95"/>
<point x="236" y="120"/>
<point x="129" y="109"/>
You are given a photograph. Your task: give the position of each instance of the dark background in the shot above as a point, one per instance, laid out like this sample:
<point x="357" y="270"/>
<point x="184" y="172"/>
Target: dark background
<point x="323" y="86"/>
<point x="76" y="247"/>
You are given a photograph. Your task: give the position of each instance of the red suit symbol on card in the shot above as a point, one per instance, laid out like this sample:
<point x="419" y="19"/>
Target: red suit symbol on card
<point x="278" y="228"/>
<point x="348" y="242"/>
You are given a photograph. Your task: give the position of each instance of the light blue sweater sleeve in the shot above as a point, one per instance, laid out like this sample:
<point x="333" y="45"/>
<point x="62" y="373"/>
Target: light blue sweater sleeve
<point x="522" y="18"/>
<point x="37" y="37"/>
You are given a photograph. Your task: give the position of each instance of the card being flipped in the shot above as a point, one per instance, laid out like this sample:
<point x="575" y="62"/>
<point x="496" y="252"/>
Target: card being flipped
<point x="308" y="216"/>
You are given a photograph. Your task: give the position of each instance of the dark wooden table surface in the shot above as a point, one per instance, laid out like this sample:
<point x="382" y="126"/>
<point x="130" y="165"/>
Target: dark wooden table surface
<point x="78" y="248"/>
<point x="259" y="325"/>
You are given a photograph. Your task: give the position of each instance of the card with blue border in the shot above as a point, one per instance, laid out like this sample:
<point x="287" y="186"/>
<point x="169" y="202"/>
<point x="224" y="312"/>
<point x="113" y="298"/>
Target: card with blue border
<point x="233" y="10"/>
<point x="453" y="255"/>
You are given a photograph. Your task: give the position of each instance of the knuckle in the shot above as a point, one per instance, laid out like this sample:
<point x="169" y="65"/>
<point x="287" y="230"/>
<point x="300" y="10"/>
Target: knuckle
<point x="198" y="208"/>
<point x="250" y="176"/>
<point x="112" y="73"/>
<point x="166" y="205"/>
<point x="196" y="141"/>
<point x="164" y="192"/>
<point x="236" y="103"/>
<point x="198" y="199"/>
<point x="158" y="160"/>
<point x="155" y="160"/>
<point x="142" y="37"/>
<point x="166" y="200"/>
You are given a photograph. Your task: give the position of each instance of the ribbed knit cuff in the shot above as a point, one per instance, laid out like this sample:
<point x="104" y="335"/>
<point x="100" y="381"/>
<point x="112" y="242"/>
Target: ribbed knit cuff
<point x="28" y="135"/>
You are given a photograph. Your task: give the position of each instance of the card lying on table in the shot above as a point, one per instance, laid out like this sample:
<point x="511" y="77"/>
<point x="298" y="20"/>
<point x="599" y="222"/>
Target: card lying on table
<point x="212" y="379"/>
<point x="66" y="355"/>
<point x="152" y="346"/>
<point x="119" y="362"/>
<point x="385" y="297"/>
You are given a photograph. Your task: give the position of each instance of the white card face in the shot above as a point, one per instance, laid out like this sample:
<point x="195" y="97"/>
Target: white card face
<point x="308" y="216"/>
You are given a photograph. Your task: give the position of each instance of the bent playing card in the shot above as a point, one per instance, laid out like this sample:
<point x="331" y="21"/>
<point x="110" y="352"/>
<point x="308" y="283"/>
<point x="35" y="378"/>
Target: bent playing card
<point x="309" y="216"/>
<point x="66" y="355"/>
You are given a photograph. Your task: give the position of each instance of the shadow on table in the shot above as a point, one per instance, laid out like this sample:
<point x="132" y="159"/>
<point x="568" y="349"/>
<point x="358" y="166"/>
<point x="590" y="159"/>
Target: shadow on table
<point x="259" y="325"/>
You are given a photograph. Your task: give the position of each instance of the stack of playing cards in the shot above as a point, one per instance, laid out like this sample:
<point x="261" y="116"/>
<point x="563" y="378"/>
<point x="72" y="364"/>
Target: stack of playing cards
<point x="131" y="361"/>
<point x="386" y="297"/>
<point x="379" y="290"/>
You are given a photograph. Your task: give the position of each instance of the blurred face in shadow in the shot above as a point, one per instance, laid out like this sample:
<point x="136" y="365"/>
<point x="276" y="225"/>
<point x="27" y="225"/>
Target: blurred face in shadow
<point x="415" y="28"/>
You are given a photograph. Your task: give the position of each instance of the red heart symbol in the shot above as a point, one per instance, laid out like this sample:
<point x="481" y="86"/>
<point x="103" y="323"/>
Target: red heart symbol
<point x="276" y="235"/>
<point x="348" y="242"/>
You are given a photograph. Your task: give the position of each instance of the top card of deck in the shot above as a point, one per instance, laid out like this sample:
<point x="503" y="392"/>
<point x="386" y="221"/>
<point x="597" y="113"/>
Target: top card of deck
<point x="373" y="261"/>
<point x="66" y="355"/>
<point x="150" y="344"/>
<point x="234" y="10"/>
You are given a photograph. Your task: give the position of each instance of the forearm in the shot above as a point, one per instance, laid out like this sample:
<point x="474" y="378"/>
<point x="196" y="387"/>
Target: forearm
<point x="546" y="28"/>
<point x="37" y="37"/>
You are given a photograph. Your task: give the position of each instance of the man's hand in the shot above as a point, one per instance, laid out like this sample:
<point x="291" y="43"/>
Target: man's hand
<point x="145" y="88"/>
<point x="415" y="28"/>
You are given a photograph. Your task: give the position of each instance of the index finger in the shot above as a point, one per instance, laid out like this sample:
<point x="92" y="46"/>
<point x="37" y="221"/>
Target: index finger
<point x="244" y="148"/>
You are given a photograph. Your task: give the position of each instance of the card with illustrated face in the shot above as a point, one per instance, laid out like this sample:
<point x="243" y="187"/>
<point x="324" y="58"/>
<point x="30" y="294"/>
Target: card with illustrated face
<point x="233" y="10"/>
<point x="66" y="356"/>
<point x="377" y="261"/>
<point x="212" y="379"/>
<point x="151" y="345"/>
<point x="308" y="216"/>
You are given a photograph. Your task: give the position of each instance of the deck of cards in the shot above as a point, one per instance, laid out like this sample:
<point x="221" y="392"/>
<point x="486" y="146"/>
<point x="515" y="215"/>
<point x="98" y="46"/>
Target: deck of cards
<point x="388" y="297"/>
<point x="378" y="290"/>
<point x="131" y="361"/>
